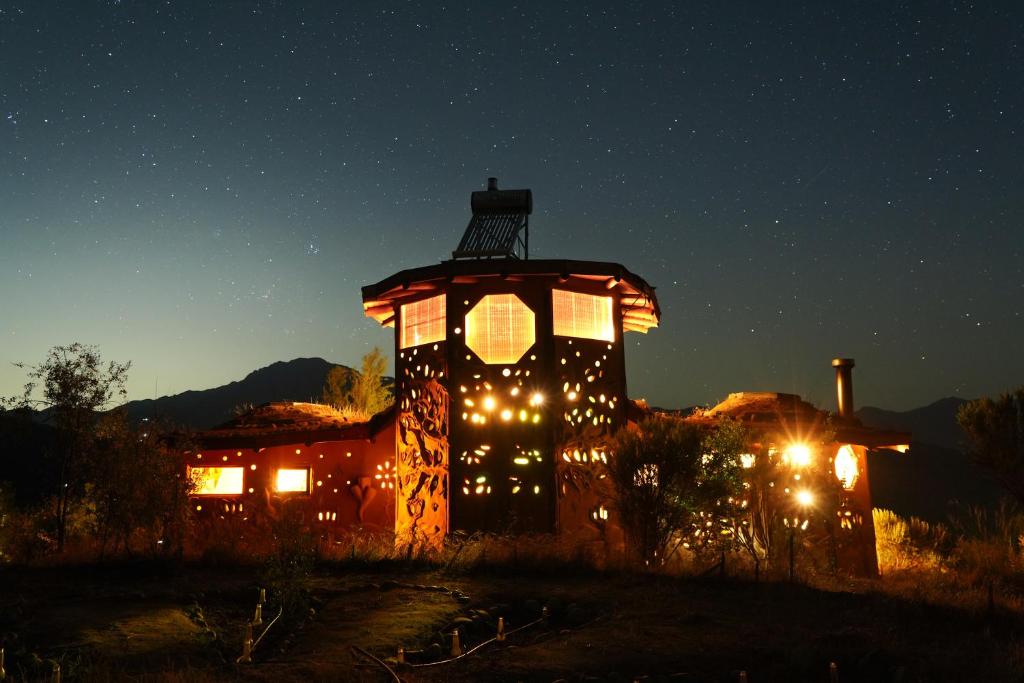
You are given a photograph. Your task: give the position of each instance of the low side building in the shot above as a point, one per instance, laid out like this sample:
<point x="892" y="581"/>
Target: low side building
<point x="332" y="473"/>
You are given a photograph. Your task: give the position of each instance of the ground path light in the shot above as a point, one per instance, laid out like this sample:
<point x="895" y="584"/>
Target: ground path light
<point x="456" y="647"/>
<point x="246" y="657"/>
<point x="501" y="630"/>
<point x="258" y="619"/>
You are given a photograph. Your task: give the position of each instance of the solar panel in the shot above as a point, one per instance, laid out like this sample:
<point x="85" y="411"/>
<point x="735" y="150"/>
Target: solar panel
<point x="500" y="224"/>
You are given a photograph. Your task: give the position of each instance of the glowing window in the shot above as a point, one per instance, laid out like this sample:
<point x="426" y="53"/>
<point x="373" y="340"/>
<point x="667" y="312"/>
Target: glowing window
<point x="217" y="481"/>
<point x="292" y="480"/>
<point x="846" y="467"/>
<point x="500" y="329"/>
<point x="423" y="322"/>
<point x="582" y="315"/>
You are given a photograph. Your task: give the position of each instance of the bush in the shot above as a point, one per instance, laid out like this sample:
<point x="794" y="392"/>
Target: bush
<point x="904" y="544"/>
<point x="670" y="478"/>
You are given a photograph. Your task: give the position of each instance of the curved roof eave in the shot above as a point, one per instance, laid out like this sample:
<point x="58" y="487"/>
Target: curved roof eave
<point x="643" y="310"/>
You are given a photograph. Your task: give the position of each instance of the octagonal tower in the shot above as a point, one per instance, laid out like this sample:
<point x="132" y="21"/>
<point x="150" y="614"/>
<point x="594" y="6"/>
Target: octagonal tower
<point x="510" y="379"/>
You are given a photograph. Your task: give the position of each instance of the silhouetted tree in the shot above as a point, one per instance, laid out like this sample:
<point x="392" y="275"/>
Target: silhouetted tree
<point x="995" y="435"/>
<point x="69" y="387"/>
<point x="138" y="485"/>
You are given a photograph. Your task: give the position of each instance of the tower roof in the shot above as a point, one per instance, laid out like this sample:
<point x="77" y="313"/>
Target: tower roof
<point x="639" y="305"/>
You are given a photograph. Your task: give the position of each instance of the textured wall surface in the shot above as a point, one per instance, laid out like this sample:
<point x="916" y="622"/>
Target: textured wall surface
<point x="422" y="447"/>
<point x="591" y="391"/>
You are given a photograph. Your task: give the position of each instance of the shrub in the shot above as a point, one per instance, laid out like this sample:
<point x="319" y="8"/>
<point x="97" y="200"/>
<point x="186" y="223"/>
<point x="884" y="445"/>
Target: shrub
<point x="670" y="477"/>
<point x="907" y="544"/>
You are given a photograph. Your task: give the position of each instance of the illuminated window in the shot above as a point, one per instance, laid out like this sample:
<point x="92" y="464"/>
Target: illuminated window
<point x="423" y="322"/>
<point x="846" y="467"/>
<point x="582" y="315"/>
<point x="500" y="329"/>
<point x="217" y="481"/>
<point x="292" y="480"/>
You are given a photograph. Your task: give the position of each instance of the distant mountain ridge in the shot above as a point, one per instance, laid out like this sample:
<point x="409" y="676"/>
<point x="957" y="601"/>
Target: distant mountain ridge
<point x="936" y="471"/>
<point x="934" y="423"/>
<point x="301" y="379"/>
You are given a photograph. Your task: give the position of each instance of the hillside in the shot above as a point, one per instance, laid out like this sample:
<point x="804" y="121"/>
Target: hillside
<point x="301" y="379"/>
<point x="936" y="471"/>
<point x="934" y="423"/>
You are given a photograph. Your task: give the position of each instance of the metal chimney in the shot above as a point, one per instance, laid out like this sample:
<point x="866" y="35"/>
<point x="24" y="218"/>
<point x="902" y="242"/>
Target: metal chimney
<point x="492" y="184"/>
<point x="844" y="386"/>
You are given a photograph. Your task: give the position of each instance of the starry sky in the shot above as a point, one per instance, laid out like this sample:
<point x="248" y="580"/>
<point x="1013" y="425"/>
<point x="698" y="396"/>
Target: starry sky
<point x="202" y="188"/>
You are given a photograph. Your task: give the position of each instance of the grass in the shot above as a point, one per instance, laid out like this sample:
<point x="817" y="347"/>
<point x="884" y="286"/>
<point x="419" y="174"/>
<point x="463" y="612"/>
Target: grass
<point x="137" y="624"/>
<point x="155" y="621"/>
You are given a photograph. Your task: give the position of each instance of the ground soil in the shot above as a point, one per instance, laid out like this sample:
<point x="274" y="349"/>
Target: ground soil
<point x="155" y="623"/>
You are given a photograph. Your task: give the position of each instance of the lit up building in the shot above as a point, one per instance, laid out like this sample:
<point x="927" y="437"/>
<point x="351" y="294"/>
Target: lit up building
<point x="509" y="379"/>
<point x="509" y="385"/>
<point x="798" y="453"/>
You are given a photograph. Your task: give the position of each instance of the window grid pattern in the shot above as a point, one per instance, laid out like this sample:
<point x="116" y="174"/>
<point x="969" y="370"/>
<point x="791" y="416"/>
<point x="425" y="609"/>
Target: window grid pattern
<point x="585" y="316"/>
<point x="500" y="329"/>
<point x="423" y="322"/>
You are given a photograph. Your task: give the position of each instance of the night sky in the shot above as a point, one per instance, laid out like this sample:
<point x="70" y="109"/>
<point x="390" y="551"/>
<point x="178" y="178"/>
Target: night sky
<point x="203" y="188"/>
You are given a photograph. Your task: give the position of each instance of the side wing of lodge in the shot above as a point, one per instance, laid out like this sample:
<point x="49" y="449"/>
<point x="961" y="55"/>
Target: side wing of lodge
<point x="509" y="386"/>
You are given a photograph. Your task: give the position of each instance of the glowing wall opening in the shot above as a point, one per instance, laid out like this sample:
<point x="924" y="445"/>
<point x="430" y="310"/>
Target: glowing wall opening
<point x="582" y="315"/>
<point x="423" y="322"/>
<point x="292" y="480"/>
<point x="217" y="481"/>
<point x="500" y="329"/>
<point x="846" y="468"/>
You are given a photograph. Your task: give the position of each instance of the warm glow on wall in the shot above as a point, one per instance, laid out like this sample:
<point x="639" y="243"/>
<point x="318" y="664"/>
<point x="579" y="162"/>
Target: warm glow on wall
<point x="500" y="329"/>
<point x="217" y="481"/>
<point x="846" y="467"/>
<point x="582" y="315"/>
<point x="423" y="322"/>
<point x="292" y="481"/>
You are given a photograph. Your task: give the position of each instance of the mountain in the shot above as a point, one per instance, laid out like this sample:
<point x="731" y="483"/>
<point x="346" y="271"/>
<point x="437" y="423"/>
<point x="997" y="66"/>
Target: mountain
<point x="301" y="379"/>
<point x="934" y="423"/>
<point x="936" y="471"/>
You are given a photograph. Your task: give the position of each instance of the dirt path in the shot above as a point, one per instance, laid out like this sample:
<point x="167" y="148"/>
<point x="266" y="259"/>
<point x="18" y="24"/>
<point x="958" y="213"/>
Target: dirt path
<point x="374" y="619"/>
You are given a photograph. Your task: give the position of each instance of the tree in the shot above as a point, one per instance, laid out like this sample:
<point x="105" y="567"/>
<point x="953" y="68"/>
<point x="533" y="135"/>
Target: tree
<point x="138" y="485"/>
<point x="995" y="435"/>
<point x="669" y="475"/>
<point x="365" y="393"/>
<point x="369" y="394"/>
<point x="69" y="387"/>
<point x="785" y="496"/>
<point x="337" y="386"/>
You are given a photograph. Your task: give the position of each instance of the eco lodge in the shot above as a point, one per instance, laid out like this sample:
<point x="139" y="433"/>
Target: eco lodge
<point x="509" y="386"/>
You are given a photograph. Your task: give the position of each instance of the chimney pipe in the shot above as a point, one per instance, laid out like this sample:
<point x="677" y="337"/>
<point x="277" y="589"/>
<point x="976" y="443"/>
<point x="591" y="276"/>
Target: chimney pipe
<point x="492" y="184"/>
<point x="844" y="386"/>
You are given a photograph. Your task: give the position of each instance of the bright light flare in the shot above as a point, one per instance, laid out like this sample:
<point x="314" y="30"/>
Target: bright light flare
<point x="797" y="455"/>
<point x="805" y="498"/>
